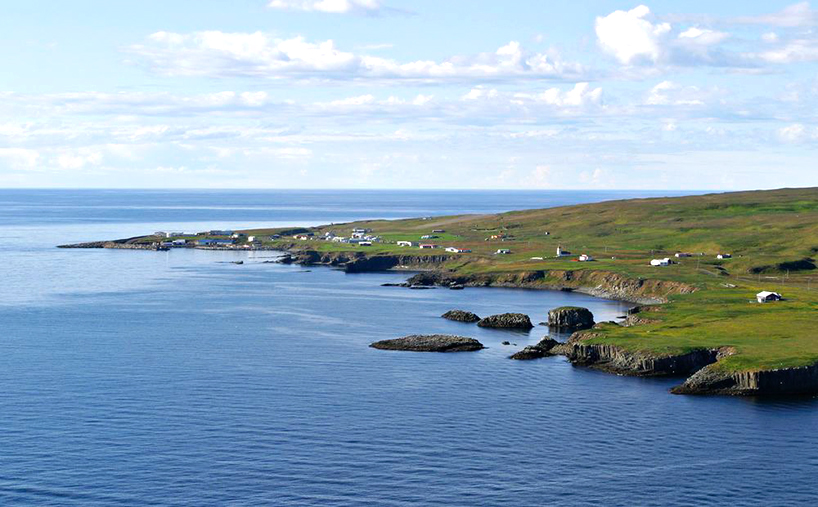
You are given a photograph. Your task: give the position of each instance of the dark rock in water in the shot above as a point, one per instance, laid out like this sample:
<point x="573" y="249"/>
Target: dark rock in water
<point x="402" y="284"/>
<point x="507" y="321"/>
<point x="571" y="317"/>
<point x="456" y="286"/>
<point x="237" y="262"/>
<point x="505" y="343"/>
<point x="430" y="343"/>
<point x="542" y="349"/>
<point x="420" y="287"/>
<point x="460" y="316"/>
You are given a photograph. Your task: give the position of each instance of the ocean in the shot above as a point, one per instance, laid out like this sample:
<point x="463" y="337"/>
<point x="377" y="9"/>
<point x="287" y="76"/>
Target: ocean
<point x="178" y="378"/>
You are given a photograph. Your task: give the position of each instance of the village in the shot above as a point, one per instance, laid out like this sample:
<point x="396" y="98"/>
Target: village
<point x="364" y="237"/>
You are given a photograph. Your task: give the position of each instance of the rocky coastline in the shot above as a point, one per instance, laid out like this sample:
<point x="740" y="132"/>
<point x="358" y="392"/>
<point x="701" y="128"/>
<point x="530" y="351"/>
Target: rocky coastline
<point x="705" y="377"/>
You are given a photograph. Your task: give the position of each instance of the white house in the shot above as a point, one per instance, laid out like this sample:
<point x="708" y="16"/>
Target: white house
<point x="454" y="249"/>
<point x="683" y="254"/>
<point x="503" y="251"/>
<point x="424" y="246"/>
<point x="660" y="262"/>
<point x="250" y="239"/>
<point x="724" y="256"/>
<point x="405" y="243"/>
<point x="765" y="296"/>
<point x="585" y="258"/>
<point x="178" y="242"/>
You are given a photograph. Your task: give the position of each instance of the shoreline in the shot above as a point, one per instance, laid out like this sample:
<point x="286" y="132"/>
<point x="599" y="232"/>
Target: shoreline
<point x="698" y="367"/>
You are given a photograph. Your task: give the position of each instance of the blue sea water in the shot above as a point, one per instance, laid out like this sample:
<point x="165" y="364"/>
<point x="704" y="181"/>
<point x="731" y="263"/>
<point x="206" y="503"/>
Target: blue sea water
<point x="176" y="378"/>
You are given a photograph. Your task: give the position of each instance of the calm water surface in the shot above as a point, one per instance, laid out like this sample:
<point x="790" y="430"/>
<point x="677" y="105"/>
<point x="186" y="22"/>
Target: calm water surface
<point x="177" y="378"/>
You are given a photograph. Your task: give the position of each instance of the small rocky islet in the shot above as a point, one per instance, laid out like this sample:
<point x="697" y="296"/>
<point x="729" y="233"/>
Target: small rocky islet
<point x="506" y="321"/>
<point x="461" y="316"/>
<point x="430" y="343"/>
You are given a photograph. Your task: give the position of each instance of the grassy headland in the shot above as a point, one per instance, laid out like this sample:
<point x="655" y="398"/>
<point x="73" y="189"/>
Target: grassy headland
<point x="771" y="235"/>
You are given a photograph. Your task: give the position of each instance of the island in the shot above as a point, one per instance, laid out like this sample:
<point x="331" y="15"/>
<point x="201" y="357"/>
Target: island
<point x="724" y="283"/>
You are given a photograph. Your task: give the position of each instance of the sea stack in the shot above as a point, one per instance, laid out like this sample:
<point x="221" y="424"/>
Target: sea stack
<point x="571" y="318"/>
<point x="507" y="321"/>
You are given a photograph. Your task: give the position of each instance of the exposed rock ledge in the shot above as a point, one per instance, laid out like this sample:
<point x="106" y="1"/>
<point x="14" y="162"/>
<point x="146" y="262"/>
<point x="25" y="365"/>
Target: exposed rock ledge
<point x="430" y="343"/>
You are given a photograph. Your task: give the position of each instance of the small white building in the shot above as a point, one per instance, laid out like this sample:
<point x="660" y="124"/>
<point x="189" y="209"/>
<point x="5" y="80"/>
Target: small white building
<point x="766" y="296"/>
<point x="660" y="262"/>
<point x="724" y="256"/>
<point x="585" y="258"/>
<point x="364" y="243"/>
<point x="178" y="242"/>
<point x="425" y="246"/>
<point x="405" y="243"/>
<point x="683" y="254"/>
<point x="561" y="252"/>
<point x="503" y="251"/>
<point x="454" y="249"/>
<point x="340" y="239"/>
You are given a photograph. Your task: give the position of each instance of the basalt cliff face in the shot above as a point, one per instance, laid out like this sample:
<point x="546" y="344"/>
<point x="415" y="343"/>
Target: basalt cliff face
<point x="359" y="262"/>
<point x="596" y="283"/>
<point x="783" y="381"/>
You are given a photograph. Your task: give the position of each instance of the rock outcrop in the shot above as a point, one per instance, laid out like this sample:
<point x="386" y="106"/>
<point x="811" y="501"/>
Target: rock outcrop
<point x="783" y="381"/>
<point x="544" y="348"/>
<point x="571" y="318"/>
<point x="507" y="321"/>
<point x="461" y="316"/>
<point x="430" y="343"/>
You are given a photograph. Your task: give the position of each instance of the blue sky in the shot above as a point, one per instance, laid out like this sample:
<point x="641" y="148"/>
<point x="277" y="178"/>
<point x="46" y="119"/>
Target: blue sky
<point x="400" y="94"/>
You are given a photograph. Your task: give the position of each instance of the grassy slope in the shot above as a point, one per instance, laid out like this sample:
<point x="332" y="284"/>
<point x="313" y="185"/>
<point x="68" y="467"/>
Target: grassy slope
<point x="760" y="228"/>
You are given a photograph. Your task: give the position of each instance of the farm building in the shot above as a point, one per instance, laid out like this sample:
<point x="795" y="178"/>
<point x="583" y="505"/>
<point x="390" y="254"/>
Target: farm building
<point x="765" y="296"/>
<point x="660" y="262"/>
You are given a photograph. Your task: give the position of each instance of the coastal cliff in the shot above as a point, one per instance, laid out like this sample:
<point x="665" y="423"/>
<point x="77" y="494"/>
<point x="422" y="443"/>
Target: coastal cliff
<point x="711" y="380"/>
<point x="595" y="283"/>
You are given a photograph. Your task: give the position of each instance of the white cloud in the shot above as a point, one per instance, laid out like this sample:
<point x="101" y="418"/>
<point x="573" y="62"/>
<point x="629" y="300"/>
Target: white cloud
<point x="480" y="92"/>
<point x="793" y="16"/>
<point x="792" y="133"/>
<point x="800" y="50"/>
<point x="19" y="158"/>
<point x="630" y="36"/>
<point x="580" y="95"/>
<point x="329" y="6"/>
<point x="668" y="93"/>
<point x="221" y="54"/>
<point x="77" y="159"/>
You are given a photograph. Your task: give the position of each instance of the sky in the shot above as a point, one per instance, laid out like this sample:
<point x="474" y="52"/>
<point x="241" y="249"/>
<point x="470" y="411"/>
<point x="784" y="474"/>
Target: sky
<point x="421" y="94"/>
